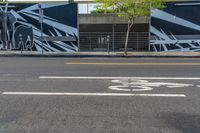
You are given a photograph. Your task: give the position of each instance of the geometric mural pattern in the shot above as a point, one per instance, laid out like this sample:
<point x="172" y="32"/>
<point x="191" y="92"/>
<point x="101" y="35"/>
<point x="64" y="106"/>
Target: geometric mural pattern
<point x="20" y="27"/>
<point x="172" y="29"/>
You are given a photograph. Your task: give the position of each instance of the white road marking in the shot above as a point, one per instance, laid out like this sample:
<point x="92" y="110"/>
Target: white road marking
<point x="91" y="94"/>
<point x="162" y="78"/>
<point x="123" y="88"/>
<point x="135" y="64"/>
<point x="143" y="85"/>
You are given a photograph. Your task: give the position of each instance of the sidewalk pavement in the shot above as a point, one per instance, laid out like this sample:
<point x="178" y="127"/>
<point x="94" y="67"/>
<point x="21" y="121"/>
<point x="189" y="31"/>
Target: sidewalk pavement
<point x="100" y="54"/>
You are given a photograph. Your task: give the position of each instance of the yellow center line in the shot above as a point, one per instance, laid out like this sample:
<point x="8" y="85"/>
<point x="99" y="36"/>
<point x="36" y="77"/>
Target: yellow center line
<point x="133" y="64"/>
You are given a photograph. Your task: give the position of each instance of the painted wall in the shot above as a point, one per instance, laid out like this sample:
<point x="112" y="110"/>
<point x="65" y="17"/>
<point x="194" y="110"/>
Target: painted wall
<point x="20" y="27"/>
<point x="176" y="28"/>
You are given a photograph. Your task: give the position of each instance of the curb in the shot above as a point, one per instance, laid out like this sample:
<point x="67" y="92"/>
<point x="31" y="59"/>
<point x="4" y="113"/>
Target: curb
<point x="101" y="55"/>
<point x="95" y="56"/>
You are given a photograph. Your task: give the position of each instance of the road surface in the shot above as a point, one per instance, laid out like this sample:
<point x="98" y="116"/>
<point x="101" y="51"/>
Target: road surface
<point x="99" y="95"/>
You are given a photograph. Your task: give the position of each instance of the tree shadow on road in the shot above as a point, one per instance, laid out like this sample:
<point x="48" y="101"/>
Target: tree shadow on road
<point x="186" y="123"/>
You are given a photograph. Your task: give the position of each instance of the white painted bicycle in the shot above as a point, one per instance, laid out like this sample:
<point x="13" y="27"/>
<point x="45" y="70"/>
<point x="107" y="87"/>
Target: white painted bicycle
<point x="143" y="85"/>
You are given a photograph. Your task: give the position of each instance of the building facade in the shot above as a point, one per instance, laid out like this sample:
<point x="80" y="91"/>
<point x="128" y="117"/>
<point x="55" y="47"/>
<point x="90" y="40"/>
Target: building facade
<point x="63" y="27"/>
<point x="108" y="32"/>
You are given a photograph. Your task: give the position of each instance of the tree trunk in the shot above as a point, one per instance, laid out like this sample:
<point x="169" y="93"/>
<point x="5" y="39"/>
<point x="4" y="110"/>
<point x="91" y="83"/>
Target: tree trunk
<point x="127" y="37"/>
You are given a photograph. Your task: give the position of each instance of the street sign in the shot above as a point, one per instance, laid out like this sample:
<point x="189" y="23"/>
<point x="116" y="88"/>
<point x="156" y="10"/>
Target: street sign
<point x="41" y="13"/>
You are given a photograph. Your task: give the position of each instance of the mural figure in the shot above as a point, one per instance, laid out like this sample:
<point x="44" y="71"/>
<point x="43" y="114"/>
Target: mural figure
<point x="3" y="28"/>
<point x="7" y="27"/>
<point x="23" y="38"/>
<point x="11" y="20"/>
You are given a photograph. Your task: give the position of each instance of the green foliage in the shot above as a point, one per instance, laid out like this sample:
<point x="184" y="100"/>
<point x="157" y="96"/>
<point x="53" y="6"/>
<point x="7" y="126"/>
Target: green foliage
<point x="130" y="8"/>
<point x="101" y="11"/>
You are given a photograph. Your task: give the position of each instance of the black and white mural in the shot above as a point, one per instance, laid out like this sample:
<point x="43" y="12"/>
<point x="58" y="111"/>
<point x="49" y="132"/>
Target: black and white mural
<point x="50" y="27"/>
<point x="176" y="28"/>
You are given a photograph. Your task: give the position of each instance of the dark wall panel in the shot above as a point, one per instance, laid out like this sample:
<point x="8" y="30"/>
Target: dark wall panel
<point x="176" y="28"/>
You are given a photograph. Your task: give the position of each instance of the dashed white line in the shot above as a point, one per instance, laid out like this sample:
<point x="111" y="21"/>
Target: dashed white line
<point x="91" y="94"/>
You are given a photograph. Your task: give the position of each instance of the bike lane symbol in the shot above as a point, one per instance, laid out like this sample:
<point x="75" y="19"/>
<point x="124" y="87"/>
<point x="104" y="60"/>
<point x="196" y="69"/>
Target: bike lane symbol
<point x="134" y="85"/>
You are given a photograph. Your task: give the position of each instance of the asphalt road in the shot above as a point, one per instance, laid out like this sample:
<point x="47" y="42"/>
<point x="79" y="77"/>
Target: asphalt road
<point x="99" y="95"/>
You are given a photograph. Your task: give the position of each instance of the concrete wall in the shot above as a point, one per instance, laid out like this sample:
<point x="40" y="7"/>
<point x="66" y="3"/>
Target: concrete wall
<point x="108" y="19"/>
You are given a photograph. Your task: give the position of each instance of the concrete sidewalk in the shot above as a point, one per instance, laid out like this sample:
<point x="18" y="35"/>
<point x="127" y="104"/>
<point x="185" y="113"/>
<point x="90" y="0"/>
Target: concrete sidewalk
<point x="99" y="54"/>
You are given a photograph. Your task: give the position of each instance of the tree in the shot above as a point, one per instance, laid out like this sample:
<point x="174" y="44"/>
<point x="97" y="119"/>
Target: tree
<point x="130" y="9"/>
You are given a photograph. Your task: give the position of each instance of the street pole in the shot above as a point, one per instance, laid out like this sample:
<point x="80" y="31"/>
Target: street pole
<point x="108" y="43"/>
<point x="113" y="37"/>
<point x="149" y="27"/>
<point x="41" y="25"/>
<point x="113" y="33"/>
